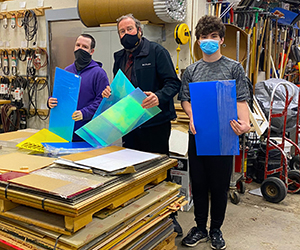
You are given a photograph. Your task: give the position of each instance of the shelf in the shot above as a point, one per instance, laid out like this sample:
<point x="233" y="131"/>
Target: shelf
<point x="20" y="13"/>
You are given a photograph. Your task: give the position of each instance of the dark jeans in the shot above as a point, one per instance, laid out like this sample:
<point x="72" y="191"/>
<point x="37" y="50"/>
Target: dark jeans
<point x="153" y="139"/>
<point x="209" y="174"/>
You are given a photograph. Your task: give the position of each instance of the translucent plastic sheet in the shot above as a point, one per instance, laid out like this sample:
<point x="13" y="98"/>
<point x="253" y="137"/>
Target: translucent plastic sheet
<point x="58" y="148"/>
<point x="66" y="90"/>
<point x="34" y="142"/>
<point x="117" y="121"/>
<point x="120" y="87"/>
<point x="213" y="106"/>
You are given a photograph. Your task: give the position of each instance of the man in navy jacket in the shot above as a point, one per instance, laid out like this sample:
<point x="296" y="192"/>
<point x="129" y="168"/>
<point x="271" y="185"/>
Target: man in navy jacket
<point x="93" y="81"/>
<point x="148" y="66"/>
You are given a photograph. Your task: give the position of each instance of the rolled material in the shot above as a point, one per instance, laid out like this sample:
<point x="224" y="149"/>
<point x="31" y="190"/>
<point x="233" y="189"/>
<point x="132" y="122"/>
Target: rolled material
<point x="93" y="13"/>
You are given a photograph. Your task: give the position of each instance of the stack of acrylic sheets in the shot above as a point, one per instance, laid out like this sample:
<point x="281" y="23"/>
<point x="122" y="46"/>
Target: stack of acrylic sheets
<point x="67" y="212"/>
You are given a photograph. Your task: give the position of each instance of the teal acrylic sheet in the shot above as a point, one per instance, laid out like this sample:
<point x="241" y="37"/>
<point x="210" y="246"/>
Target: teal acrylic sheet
<point x="118" y="120"/>
<point x="66" y="90"/>
<point x="120" y="87"/>
<point x="214" y="106"/>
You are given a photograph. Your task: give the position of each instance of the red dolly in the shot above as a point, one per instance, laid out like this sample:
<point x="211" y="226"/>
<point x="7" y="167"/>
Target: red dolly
<point x="274" y="189"/>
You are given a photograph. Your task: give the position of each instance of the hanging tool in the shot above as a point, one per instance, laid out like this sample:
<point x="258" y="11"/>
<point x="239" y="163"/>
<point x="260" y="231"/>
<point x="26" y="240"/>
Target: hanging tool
<point x="288" y="51"/>
<point x="260" y="46"/>
<point x="283" y="52"/>
<point x="182" y="36"/>
<point x="254" y="46"/>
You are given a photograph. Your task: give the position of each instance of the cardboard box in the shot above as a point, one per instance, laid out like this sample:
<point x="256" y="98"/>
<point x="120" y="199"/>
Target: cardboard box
<point x="180" y="175"/>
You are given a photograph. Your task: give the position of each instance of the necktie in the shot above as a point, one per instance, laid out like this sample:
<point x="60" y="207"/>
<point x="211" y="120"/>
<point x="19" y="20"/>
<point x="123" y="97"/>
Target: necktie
<point x="128" y="66"/>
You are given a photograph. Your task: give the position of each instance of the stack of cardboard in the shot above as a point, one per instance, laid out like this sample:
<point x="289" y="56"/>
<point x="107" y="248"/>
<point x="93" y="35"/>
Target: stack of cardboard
<point x="178" y="145"/>
<point x="57" y="207"/>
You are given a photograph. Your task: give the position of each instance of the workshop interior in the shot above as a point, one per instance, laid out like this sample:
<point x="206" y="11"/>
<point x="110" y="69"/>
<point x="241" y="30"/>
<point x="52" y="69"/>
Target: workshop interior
<point x="96" y="193"/>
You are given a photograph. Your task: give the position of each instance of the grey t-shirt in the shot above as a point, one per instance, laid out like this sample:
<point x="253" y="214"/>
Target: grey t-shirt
<point x="223" y="69"/>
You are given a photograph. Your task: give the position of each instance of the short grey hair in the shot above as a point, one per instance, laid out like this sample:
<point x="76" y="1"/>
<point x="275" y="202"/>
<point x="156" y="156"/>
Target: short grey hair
<point x="137" y="22"/>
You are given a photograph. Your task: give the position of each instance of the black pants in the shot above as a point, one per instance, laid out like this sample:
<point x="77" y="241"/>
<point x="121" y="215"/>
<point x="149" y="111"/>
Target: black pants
<point x="209" y="173"/>
<point x="153" y="139"/>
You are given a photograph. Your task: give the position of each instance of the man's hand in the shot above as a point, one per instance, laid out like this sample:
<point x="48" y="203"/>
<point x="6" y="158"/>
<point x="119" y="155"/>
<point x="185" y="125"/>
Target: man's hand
<point x="240" y="127"/>
<point x="150" y="101"/>
<point x="106" y="92"/>
<point x="77" y="115"/>
<point x="52" y="102"/>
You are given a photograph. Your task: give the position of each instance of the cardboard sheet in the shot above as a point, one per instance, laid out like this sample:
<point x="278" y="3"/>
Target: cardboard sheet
<point x="118" y="120"/>
<point x="214" y="106"/>
<point x="23" y="163"/>
<point x="66" y="90"/>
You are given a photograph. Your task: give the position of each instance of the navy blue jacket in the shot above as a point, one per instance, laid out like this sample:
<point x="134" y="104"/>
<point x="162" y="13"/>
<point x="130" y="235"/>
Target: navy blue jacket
<point x="154" y="71"/>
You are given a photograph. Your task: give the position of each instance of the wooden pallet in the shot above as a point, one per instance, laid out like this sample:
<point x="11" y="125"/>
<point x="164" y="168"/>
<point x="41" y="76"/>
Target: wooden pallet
<point x="68" y="218"/>
<point x="167" y="244"/>
<point x="131" y="221"/>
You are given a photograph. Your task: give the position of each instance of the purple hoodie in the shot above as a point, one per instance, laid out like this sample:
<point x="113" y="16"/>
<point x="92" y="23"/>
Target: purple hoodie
<point x="93" y="81"/>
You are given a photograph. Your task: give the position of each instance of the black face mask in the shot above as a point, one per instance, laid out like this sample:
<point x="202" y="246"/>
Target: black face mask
<point x="130" y="41"/>
<point x="82" y="59"/>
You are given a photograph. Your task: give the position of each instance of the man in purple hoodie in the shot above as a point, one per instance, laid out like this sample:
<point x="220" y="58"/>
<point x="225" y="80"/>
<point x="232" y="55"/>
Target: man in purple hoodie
<point x="93" y="81"/>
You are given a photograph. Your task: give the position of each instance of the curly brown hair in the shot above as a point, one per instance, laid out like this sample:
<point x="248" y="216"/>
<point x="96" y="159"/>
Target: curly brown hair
<point x="209" y="24"/>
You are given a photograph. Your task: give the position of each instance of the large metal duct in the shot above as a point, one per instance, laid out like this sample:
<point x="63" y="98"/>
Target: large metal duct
<point x="95" y="12"/>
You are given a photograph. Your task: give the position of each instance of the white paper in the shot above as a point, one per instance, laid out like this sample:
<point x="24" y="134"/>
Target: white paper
<point x="256" y="191"/>
<point x="23" y="44"/>
<point x="40" y="3"/>
<point x="22" y="5"/>
<point x="117" y="160"/>
<point x="4" y="7"/>
<point x="178" y="142"/>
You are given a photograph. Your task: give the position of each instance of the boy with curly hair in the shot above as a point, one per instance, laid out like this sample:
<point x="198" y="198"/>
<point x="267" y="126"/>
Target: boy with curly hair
<point x="212" y="173"/>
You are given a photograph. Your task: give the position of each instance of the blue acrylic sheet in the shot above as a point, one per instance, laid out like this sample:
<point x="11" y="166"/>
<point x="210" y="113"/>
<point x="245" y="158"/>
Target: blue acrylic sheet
<point x="120" y="87"/>
<point x="214" y="106"/>
<point x="66" y="90"/>
<point x="118" y="120"/>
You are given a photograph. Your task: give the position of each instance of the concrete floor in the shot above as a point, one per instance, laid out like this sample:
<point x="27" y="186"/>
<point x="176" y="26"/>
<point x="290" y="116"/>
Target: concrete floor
<point x="255" y="224"/>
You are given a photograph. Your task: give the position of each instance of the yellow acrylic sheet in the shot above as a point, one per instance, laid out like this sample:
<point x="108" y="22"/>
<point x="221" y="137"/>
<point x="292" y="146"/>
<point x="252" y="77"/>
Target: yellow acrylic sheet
<point x="118" y="120"/>
<point x="34" y="142"/>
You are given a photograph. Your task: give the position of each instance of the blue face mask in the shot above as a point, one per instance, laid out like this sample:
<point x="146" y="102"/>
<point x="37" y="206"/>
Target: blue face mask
<point x="209" y="46"/>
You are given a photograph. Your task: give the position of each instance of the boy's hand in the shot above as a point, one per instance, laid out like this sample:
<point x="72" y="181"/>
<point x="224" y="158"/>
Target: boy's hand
<point x="240" y="127"/>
